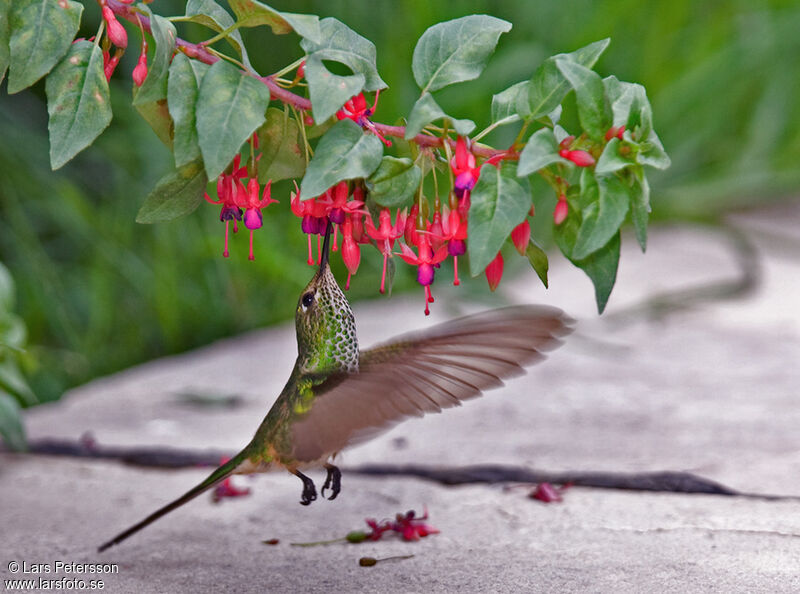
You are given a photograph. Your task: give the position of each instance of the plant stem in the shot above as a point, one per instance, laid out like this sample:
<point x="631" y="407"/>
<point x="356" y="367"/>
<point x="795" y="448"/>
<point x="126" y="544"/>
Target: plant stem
<point x="199" y="51"/>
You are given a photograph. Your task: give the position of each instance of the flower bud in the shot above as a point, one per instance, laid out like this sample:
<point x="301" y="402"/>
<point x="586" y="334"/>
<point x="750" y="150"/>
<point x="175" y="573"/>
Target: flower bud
<point x="561" y="210"/>
<point x="494" y="271"/>
<point x="140" y="71"/>
<point x="521" y="235"/>
<point x="116" y="32"/>
<point x="580" y="158"/>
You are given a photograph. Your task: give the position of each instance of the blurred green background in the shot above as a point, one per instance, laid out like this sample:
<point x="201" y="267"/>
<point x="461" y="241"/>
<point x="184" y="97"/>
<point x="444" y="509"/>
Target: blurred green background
<point x="99" y="292"/>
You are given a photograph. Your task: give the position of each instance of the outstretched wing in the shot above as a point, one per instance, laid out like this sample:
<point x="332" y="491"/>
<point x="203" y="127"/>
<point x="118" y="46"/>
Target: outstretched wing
<point x="424" y="372"/>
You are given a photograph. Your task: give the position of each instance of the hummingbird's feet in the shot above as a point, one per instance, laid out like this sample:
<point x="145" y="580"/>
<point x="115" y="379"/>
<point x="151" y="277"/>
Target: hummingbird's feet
<point x="332" y="481"/>
<point x="309" y="490"/>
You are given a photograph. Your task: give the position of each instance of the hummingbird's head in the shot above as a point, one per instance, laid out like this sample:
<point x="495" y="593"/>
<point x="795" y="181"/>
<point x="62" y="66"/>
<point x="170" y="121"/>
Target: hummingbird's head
<point x="326" y="328"/>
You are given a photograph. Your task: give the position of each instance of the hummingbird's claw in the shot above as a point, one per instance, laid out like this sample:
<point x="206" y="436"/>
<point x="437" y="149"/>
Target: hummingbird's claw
<point x="309" y="490"/>
<point x="333" y="480"/>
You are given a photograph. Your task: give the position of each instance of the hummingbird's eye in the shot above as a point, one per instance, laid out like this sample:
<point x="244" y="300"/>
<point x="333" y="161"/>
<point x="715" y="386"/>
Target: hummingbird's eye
<point x="308" y="299"/>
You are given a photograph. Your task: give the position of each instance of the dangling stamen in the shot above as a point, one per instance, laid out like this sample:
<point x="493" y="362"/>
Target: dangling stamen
<point x="335" y="247"/>
<point x="428" y="299"/>
<point x="319" y="249"/>
<point x="347" y="284"/>
<point x="456" y="282"/>
<point x="251" y="256"/>
<point x="310" y="260"/>
<point x="225" y="252"/>
<point x="383" y="276"/>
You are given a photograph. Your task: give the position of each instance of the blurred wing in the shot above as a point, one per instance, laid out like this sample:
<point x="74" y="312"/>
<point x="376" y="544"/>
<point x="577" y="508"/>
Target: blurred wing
<point x="424" y="372"/>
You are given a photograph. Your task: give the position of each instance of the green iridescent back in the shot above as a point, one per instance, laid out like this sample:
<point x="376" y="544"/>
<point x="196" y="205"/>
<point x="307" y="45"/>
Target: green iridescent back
<point x="326" y="328"/>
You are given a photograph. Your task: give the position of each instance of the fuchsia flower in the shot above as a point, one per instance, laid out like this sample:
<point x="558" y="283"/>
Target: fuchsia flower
<point x="356" y="109"/>
<point x="337" y="204"/>
<point x="230" y="209"/>
<point x="464" y="170"/>
<point x="547" y="493"/>
<point x="234" y="197"/>
<point x="494" y="271"/>
<point x="454" y="232"/>
<point x="248" y="199"/>
<point x="521" y="236"/>
<point x="561" y="210"/>
<point x="140" y="71"/>
<point x="385" y="236"/>
<point x="110" y="62"/>
<point x="116" y="32"/>
<point x="226" y="488"/>
<point x="580" y="158"/>
<point x="351" y="251"/>
<point x="314" y="219"/>
<point x="407" y="525"/>
<point x="425" y="262"/>
<point x="614" y="131"/>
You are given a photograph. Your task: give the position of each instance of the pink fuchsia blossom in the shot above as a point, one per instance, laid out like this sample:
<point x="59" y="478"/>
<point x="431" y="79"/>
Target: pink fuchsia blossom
<point x="424" y="260"/>
<point x="521" y="236"/>
<point x="494" y="271"/>
<point x="561" y="210"/>
<point x="385" y="235"/>
<point x="116" y="32"/>
<point x="463" y="167"/>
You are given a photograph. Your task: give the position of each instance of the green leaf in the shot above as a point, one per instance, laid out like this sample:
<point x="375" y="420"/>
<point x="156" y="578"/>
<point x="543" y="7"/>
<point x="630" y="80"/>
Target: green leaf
<point x="611" y="160"/>
<point x="640" y="206"/>
<point x="282" y="154"/>
<point x="13" y="382"/>
<point x="175" y="195"/>
<point x="426" y="110"/>
<point x="540" y="151"/>
<point x="538" y="259"/>
<point x="250" y="13"/>
<point x="394" y="182"/>
<point x="11" y="427"/>
<point x="605" y="203"/>
<point x="41" y="33"/>
<point x="345" y="152"/>
<point x="6" y="290"/>
<point x="640" y="118"/>
<point x="620" y="95"/>
<point x="548" y="86"/>
<point x="652" y="153"/>
<point x="78" y="102"/>
<point x="184" y="80"/>
<point x="593" y="113"/>
<point x="154" y="87"/>
<point x="156" y="114"/>
<point x="499" y="203"/>
<point x="210" y="14"/>
<point x="339" y="43"/>
<point x="230" y="107"/>
<point x="13" y="333"/>
<point x="455" y="51"/>
<point x="328" y="91"/>
<point x="504" y="104"/>
<point x="600" y="267"/>
<point x="5" y="34"/>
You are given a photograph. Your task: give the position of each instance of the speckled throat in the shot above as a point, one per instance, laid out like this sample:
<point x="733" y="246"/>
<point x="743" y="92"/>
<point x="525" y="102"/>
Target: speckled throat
<point x="326" y="328"/>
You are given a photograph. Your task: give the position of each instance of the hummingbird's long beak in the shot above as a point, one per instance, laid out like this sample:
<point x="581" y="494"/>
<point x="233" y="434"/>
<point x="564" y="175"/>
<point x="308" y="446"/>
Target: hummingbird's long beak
<point x="326" y="246"/>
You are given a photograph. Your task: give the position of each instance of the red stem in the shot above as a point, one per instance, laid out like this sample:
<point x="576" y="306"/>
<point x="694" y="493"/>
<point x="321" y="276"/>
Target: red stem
<point x="200" y="52"/>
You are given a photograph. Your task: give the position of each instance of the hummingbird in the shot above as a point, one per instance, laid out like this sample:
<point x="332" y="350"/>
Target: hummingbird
<point x="338" y="396"/>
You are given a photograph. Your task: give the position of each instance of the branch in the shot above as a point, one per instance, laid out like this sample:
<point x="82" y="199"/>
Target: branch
<point x="665" y="481"/>
<point x="200" y="52"/>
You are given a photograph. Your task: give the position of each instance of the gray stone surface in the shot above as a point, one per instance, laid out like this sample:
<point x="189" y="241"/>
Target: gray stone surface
<point x="712" y="390"/>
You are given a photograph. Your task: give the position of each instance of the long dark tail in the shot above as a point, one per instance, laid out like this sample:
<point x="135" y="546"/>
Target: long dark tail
<point x="220" y="474"/>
